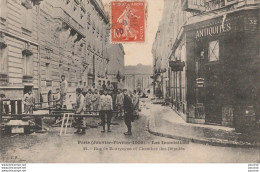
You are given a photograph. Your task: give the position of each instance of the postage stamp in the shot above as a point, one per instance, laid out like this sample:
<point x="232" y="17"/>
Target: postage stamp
<point x="128" y="21"/>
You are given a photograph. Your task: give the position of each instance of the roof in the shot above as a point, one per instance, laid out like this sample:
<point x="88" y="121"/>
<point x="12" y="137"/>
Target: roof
<point x="139" y="70"/>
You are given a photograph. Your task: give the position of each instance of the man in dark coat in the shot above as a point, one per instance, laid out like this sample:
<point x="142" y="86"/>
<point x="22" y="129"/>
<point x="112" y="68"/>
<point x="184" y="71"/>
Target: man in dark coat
<point x="128" y="109"/>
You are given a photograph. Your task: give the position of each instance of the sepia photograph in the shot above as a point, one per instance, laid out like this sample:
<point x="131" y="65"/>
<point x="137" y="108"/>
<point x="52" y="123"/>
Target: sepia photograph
<point x="129" y="81"/>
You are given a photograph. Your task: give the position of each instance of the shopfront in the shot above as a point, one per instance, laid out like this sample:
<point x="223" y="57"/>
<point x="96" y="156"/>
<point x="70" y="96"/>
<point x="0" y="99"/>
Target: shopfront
<point x="223" y="67"/>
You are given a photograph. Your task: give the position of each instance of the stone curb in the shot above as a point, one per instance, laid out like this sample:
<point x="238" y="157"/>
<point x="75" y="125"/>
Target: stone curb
<point x="203" y="141"/>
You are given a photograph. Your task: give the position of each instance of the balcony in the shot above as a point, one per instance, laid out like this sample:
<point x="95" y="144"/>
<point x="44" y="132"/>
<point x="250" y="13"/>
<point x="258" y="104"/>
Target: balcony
<point x="27" y="78"/>
<point x="2" y="41"/>
<point x="3" y="79"/>
<point x="206" y="5"/>
<point x="66" y="18"/>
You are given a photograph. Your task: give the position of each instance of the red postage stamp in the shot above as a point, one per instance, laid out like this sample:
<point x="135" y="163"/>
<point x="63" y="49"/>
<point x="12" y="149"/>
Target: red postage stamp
<point x="128" y="21"/>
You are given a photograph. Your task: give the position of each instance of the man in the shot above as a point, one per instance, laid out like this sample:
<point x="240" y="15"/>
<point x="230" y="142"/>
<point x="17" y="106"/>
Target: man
<point x="135" y="104"/>
<point x="85" y="89"/>
<point x="28" y="102"/>
<point x="128" y="110"/>
<point x="105" y="107"/>
<point x="93" y="87"/>
<point x="120" y="103"/>
<point x="88" y="100"/>
<point x="63" y="90"/>
<point x="99" y="86"/>
<point x="79" y="110"/>
<point x="110" y="88"/>
<point x="96" y="98"/>
<point x="104" y="85"/>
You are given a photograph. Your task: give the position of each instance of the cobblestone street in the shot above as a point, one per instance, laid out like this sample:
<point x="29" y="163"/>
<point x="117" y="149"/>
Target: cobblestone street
<point x="50" y="147"/>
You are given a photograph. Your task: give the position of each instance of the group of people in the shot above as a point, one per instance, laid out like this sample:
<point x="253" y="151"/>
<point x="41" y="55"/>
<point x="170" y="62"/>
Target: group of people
<point x="103" y="100"/>
<point x="124" y="107"/>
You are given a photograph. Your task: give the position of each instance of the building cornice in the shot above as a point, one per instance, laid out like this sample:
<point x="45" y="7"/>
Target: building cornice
<point x="100" y="10"/>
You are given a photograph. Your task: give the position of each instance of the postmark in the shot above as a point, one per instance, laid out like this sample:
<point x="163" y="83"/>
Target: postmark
<point x="128" y="21"/>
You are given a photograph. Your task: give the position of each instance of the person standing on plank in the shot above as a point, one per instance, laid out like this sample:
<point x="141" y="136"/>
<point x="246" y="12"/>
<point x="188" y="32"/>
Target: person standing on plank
<point x="79" y="110"/>
<point x="63" y="90"/>
<point x="28" y="102"/>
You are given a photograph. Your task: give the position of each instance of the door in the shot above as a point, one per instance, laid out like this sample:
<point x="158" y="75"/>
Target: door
<point x="213" y="96"/>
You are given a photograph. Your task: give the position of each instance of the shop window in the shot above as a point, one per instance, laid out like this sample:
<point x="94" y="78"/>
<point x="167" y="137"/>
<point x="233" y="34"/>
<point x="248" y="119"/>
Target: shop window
<point x="48" y="71"/>
<point x="26" y="15"/>
<point x="28" y="65"/>
<point x="3" y="60"/>
<point x="213" y="53"/>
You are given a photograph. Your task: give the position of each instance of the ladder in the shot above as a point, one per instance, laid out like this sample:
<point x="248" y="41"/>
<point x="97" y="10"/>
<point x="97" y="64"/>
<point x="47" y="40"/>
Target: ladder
<point x="66" y="120"/>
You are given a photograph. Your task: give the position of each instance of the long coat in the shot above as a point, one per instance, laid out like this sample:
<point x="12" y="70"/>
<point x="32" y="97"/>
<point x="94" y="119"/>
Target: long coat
<point x="128" y="106"/>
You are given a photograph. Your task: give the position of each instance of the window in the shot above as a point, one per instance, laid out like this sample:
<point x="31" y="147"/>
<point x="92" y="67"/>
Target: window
<point x="28" y="65"/>
<point x="213" y="53"/>
<point x="3" y="60"/>
<point x="26" y="15"/>
<point x="3" y="9"/>
<point x="48" y="71"/>
<point x="61" y="70"/>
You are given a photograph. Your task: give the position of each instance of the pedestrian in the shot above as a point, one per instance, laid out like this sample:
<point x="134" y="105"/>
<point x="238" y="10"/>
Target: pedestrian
<point x="5" y="109"/>
<point x="63" y="90"/>
<point x="96" y="98"/>
<point x="135" y="104"/>
<point x="99" y="86"/>
<point x="93" y="88"/>
<point x="88" y="101"/>
<point x="69" y="102"/>
<point x="50" y="98"/>
<point x="120" y="103"/>
<point x="85" y="89"/>
<point x="28" y="102"/>
<point x="128" y="112"/>
<point x="79" y="110"/>
<point x="104" y="85"/>
<point x="105" y="107"/>
<point x="110" y="88"/>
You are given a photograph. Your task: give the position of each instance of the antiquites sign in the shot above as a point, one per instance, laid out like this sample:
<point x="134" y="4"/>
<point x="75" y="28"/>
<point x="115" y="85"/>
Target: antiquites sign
<point x="214" y="30"/>
<point x="225" y="24"/>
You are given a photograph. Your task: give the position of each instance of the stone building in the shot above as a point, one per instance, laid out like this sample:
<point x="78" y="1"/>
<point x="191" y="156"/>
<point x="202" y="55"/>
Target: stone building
<point x="138" y="77"/>
<point x="19" y="48"/>
<point x="116" y="65"/>
<point x="212" y="63"/>
<point x="44" y="39"/>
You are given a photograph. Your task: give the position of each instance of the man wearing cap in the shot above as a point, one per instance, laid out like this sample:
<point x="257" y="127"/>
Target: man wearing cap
<point x="88" y="100"/>
<point x="120" y="103"/>
<point x="63" y="90"/>
<point x="128" y="110"/>
<point x="28" y="102"/>
<point x="79" y="110"/>
<point x="105" y="107"/>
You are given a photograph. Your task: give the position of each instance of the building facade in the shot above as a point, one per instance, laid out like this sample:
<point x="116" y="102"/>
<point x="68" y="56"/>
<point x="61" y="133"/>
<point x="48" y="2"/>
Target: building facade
<point x="116" y="65"/>
<point x="44" y="39"/>
<point x="214" y="62"/>
<point x="138" y="77"/>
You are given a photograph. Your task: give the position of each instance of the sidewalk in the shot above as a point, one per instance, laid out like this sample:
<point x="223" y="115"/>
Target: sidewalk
<point x="165" y="122"/>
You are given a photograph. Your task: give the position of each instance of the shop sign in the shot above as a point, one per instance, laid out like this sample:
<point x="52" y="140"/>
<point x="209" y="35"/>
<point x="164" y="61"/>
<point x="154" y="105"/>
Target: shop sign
<point x="226" y="24"/>
<point x="176" y="65"/>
